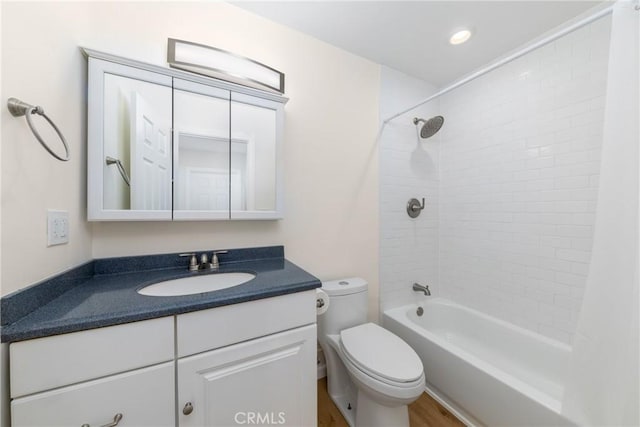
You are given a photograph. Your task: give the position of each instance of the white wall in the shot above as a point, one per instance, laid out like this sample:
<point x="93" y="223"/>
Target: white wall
<point x="408" y="168"/>
<point x="520" y="158"/>
<point x="331" y="178"/>
<point x="39" y="68"/>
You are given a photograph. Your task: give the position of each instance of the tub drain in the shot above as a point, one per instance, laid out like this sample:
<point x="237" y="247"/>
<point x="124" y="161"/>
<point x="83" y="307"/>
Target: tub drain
<point x="420" y="311"/>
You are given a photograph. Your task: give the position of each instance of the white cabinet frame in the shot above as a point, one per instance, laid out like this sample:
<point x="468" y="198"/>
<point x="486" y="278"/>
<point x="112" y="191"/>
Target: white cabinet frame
<point x="101" y="63"/>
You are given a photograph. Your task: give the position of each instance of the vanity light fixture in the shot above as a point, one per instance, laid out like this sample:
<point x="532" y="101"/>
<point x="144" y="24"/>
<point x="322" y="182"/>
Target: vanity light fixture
<point x="218" y="63"/>
<point x="460" y="37"/>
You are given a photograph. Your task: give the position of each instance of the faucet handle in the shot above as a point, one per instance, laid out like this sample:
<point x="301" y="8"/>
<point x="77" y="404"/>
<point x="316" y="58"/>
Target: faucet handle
<point x="215" y="263"/>
<point x="193" y="262"/>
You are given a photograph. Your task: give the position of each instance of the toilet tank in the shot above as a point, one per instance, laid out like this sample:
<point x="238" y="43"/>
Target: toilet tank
<point x="348" y="305"/>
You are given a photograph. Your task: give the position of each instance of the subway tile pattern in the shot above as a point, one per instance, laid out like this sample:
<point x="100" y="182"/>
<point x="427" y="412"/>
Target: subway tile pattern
<point x="408" y="169"/>
<point x="511" y="183"/>
<point x="519" y="165"/>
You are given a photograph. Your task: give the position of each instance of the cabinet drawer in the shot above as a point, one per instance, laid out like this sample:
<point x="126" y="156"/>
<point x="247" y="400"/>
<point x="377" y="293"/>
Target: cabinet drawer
<point x="204" y="330"/>
<point x="46" y="363"/>
<point x="144" y="398"/>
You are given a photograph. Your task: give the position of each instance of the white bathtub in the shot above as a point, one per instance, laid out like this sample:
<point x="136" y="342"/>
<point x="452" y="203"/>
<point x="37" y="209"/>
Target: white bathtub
<point x="487" y="371"/>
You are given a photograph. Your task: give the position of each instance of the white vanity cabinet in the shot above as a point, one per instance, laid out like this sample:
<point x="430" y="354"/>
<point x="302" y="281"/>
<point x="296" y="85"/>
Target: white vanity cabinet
<point x="165" y="144"/>
<point x="229" y="365"/>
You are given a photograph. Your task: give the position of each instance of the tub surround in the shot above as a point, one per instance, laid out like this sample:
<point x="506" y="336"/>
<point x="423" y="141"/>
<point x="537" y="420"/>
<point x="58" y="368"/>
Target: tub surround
<point x="103" y="292"/>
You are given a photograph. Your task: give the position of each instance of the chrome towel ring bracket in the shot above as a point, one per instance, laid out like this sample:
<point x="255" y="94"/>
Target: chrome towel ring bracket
<point x="19" y="108"/>
<point x="123" y="173"/>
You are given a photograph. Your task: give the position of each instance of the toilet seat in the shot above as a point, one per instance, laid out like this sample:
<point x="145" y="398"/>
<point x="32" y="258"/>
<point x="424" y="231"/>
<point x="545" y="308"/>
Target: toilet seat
<point x="381" y="355"/>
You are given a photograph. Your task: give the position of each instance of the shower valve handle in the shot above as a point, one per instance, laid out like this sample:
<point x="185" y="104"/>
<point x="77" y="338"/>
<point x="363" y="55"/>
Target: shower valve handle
<point x="414" y="207"/>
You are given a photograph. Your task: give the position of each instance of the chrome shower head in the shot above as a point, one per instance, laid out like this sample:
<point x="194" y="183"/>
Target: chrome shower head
<point x="430" y="127"/>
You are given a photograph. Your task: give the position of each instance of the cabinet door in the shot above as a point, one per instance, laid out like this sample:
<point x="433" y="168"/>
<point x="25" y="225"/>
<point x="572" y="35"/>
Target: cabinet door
<point x="200" y="152"/>
<point x="129" y="143"/>
<point x="269" y="380"/>
<point x="256" y="157"/>
<point x="144" y="397"/>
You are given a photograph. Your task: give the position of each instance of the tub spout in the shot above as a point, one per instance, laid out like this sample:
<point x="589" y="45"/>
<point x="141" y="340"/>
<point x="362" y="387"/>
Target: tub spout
<point x="419" y="288"/>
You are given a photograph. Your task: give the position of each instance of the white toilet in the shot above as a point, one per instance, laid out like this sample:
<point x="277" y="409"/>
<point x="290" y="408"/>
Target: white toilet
<point x="372" y="374"/>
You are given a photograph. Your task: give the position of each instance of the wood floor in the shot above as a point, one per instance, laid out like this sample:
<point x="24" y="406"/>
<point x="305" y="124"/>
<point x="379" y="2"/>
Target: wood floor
<point x="424" y="412"/>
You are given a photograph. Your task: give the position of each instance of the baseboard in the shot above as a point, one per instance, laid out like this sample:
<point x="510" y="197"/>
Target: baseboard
<point x="322" y="371"/>
<point x="321" y="364"/>
<point x="459" y="413"/>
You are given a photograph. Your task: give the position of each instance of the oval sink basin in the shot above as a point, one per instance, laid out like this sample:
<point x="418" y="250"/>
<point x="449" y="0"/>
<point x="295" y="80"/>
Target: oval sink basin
<point x="196" y="284"/>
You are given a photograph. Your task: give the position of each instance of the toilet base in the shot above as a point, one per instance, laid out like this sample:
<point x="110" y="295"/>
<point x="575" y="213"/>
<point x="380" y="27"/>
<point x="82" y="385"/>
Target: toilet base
<point x="373" y="414"/>
<point x="347" y="407"/>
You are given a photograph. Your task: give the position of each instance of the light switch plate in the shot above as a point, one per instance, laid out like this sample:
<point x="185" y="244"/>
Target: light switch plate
<point x="57" y="227"/>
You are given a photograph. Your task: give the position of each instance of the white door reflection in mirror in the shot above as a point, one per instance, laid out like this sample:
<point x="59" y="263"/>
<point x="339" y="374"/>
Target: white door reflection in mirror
<point x="137" y="123"/>
<point x="208" y="189"/>
<point x="201" y="155"/>
<point x="150" y="158"/>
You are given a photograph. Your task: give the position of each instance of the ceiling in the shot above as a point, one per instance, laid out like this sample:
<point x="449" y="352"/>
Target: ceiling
<point x="413" y="36"/>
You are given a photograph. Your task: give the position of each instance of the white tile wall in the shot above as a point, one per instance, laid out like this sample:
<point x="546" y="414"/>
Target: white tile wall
<point x="520" y="157"/>
<point x="511" y="182"/>
<point x="408" y="168"/>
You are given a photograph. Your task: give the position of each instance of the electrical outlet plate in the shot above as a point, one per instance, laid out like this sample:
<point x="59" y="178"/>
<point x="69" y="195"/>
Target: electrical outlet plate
<point x="57" y="227"/>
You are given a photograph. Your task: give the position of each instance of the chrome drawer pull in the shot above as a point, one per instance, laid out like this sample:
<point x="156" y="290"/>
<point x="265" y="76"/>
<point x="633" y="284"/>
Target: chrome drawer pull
<point x="114" y="423"/>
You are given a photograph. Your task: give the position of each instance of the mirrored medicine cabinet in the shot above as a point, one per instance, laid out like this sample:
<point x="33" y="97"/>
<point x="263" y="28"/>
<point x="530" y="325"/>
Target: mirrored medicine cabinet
<point x="169" y="145"/>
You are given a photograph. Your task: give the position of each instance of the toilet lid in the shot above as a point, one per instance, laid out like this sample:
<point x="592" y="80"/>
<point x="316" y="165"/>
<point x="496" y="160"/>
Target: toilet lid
<point x="380" y="352"/>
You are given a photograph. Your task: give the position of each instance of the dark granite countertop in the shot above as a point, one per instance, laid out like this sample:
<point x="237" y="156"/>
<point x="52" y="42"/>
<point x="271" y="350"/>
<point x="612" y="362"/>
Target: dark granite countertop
<point x="103" y="292"/>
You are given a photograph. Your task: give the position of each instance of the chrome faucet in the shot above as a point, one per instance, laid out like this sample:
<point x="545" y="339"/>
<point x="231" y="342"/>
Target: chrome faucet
<point x="419" y="288"/>
<point x="204" y="262"/>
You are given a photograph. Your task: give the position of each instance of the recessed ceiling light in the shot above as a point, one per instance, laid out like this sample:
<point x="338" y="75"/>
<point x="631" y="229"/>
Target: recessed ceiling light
<point x="460" y="37"/>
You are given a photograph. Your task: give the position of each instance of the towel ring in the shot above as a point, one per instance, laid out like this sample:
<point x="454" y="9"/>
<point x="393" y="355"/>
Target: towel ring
<point x="19" y="108"/>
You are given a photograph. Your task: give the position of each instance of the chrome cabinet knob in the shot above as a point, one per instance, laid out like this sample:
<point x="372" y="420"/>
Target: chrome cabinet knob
<point x="188" y="408"/>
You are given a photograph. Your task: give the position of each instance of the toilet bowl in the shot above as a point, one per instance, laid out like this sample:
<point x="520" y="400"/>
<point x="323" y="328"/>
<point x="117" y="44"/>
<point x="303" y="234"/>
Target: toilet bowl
<point x="372" y="374"/>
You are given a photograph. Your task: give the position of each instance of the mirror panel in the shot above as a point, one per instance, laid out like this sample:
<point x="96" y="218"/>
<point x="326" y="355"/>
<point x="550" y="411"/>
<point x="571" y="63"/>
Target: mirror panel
<point x="201" y="156"/>
<point x="164" y="144"/>
<point x="136" y="145"/>
<point x="253" y="157"/>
